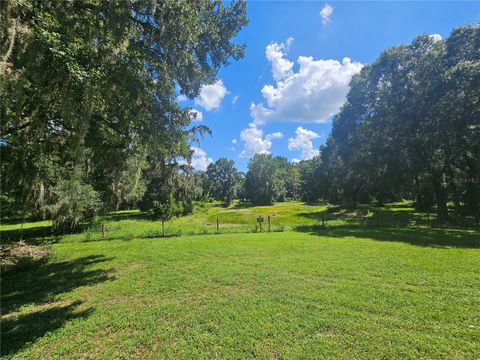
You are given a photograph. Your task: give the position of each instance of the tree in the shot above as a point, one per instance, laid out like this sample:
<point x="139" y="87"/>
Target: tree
<point x="82" y="83"/>
<point x="222" y="179"/>
<point x="266" y="179"/>
<point x="409" y="128"/>
<point x="307" y="187"/>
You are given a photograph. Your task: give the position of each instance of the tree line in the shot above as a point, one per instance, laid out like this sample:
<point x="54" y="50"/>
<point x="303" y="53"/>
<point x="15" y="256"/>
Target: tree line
<point x="90" y="122"/>
<point x="409" y="129"/>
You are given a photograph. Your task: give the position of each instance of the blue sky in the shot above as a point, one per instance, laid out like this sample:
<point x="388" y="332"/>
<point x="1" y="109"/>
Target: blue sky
<point x="331" y="46"/>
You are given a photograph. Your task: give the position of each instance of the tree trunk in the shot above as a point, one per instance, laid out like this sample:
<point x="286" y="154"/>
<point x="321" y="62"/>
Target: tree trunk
<point x="441" y="199"/>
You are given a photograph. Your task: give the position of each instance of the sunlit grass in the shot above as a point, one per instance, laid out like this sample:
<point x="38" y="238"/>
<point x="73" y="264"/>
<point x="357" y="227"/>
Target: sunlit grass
<point x="237" y="218"/>
<point x="337" y="294"/>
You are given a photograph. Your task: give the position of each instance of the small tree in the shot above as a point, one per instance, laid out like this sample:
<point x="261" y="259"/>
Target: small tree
<point x="74" y="201"/>
<point x="165" y="210"/>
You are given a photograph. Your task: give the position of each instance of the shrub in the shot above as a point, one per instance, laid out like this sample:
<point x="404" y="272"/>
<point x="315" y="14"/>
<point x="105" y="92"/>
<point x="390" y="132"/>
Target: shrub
<point x="75" y="201"/>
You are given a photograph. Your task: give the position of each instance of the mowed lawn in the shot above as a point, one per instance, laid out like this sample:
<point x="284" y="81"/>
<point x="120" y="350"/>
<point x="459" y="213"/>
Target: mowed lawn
<point x="359" y="294"/>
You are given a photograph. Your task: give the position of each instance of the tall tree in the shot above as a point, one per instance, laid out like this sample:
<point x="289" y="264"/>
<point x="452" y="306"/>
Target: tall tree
<point x="410" y="126"/>
<point x="222" y="176"/>
<point x="84" y="81"/>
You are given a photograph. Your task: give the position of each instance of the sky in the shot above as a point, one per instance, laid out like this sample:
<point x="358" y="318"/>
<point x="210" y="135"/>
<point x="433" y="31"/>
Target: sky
<point x="300" y="57"/>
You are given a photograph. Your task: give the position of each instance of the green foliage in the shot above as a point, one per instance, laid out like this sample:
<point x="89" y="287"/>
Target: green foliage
<point x="166" y="208"/>
<point x="409" y="128"/>
<point x="271" y="179"/>
<point x="73" y="201"/>
<point x="222" y="180"/>
<point x="90" y="85"/>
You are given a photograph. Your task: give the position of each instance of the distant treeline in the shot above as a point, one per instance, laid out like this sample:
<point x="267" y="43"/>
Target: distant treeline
<point x="90" y="122"/>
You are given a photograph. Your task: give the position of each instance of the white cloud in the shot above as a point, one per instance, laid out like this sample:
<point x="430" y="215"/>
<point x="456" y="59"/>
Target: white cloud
<point x="235" y="99"/>
<point x="325" y="14"/>
<point x="303" y="142"/>
<point x="211" y="96"/>
<point x="196" y="115"/>
<point x="435" y="37"/>
<point x="234" y="140"/>
<point x="255" y="143"/>
<point x="200" y="160"/>
<point x="281" y="67"/>
<point x="181" y="98"/>
<point x="313" y="94"/>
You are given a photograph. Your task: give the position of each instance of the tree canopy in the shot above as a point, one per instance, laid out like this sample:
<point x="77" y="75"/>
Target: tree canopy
<point x="410" y="127"/>
<point x="88" y="90"/>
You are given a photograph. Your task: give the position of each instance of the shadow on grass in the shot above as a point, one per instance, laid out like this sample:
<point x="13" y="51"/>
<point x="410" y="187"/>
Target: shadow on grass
<point x="428" y="237"/>
<point x="40" y="284"/>
<point x="386" y="216"/>
<point x="33" y="235"/>
<point x="241" y="205"/>
<point x="140" y="215"/>
<point x="26" y="328"/>
<point x="37" y="234"/>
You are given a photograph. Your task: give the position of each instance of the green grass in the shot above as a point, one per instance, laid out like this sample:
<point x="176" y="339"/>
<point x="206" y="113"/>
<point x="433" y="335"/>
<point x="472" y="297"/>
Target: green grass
<point x="354" y="290"/>
<point x="135" y="224"/>
<point x="275" y="295"/>
<point x="237" y="218"/>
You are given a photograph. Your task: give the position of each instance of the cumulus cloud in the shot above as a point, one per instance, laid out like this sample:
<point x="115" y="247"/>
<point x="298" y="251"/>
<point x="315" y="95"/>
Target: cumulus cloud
<point x="181" y="98"/>
<point x="313" y="94"/>
<point x="235" y="99"/>
<point x="325" y="14"/>
<point x="303" y="142"/>
<point x="435" y="37"/>
<point x="234" y="140"/>
<point x="200" y="160"/>
<point x="255" y="143"/>
<point x="196" y="115"/>
<point x="275" y="53"/>
<point x="211" y="96"/>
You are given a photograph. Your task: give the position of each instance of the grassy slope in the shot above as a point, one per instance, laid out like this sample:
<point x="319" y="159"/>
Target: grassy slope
<point x="366" y="294"/>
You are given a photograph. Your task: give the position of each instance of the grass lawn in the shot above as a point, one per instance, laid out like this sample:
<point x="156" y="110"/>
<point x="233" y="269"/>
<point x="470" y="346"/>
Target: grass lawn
<point x="237" y="218"/>
<point x="341" y="293"/>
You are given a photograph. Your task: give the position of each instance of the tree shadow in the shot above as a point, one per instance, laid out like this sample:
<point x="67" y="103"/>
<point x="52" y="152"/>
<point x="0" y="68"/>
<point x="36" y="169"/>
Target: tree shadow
<point x="141" y="215"/>
<point x="33" y="235"/>
<point x="386" y="216"/>
<point x="241" y="205"/>
<point x="37" y="234"/>
<point x="424" y="237"/>
<point x="26" y="328"/>
<point x="40" y="284"/>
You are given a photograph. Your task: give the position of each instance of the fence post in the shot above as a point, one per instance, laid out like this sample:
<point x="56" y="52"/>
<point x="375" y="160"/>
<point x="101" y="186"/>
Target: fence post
<point x="163" y="227"/>
<point x="269" y="226"/>
<point x="103" y="231"/>
<point x="217" y="224"/>
<point x="323" y="220"/>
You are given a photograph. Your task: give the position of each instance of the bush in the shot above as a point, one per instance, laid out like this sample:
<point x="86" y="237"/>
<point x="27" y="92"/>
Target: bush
<point x="75" y="201"/>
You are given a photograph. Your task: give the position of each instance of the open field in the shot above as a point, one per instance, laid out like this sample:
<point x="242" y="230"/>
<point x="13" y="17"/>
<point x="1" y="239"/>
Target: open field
<point x="238" y="218"/>
<point x="350" y="291"/>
